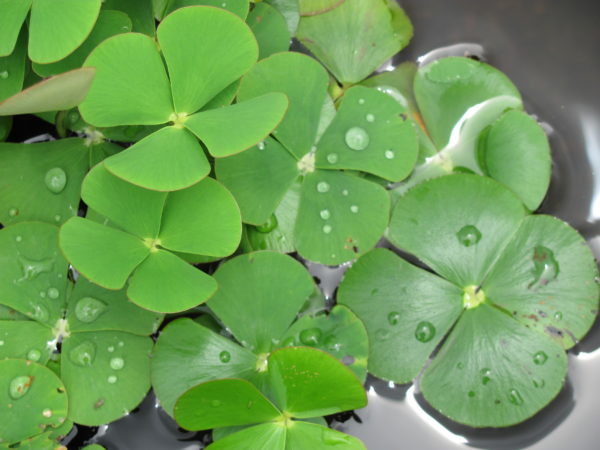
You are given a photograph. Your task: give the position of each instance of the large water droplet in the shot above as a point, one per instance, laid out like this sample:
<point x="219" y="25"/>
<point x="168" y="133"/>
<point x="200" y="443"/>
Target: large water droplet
<point x="540" y="358"/>
<point x="370" y="118"/>
<point x="468" y="235"/>
<point x="486" y="376"/>
<point x="323" y="186"/>
<point x="225" y="356"/>
<point x="19" y="386"/>
<point x="357" y="138"/>
<point x="34" y="355"/>
<point x="31" y="268"/>
<point x="311" y="336"/>
<point x="393" y="318"/>
<point x="514" y="397"/>
<point x="425" y="331"/>
<point x="117" y="363"/>
<point x="332" y="158"/>
<point x="53" y="293"/>
<point x="88" y="309"/>
<point x="56" y="180"/>
<point x="84" y="354"/>
<point x="545" y="267"/>
<point x="325" y="214"/>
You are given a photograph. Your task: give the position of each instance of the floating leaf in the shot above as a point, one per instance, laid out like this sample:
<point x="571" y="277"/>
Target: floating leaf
<point x="12" y="69"/>
<point x="270" y="29"/>
<point x="11" y="21"/>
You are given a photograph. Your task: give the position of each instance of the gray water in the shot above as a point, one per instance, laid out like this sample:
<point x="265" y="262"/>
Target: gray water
<point x="551" y="50"/>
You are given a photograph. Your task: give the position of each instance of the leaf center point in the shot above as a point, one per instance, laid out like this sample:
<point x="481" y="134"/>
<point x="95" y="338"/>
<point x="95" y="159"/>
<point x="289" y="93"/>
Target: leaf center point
<point x="152" y="244"/>
<point x="473" y="296"/>
<point x="262" y="362"/>
<point x="178" y="119"/>
<point x="307" y="163"/>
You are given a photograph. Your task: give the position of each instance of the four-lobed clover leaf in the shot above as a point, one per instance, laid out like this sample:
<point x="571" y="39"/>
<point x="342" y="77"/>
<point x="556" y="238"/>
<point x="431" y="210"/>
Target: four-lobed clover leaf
<point x="146" y="230"/>
<point x="337" y="214"/>
<point x="301" y="383"/>
<point x="131" y="87"/>
<point x="513" y="292"/>
<point x="259" y="298"/>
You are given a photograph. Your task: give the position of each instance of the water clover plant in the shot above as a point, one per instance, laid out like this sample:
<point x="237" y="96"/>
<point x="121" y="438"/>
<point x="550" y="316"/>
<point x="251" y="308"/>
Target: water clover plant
<point x="259" y="298"/>
<point x="104" y="354"/>
<point x="137" y="244"/>
<point x="302" y="383"/>
<point x="201" y="65"/>
<point x="509" y="293"/>
<point x="315" y="155"/>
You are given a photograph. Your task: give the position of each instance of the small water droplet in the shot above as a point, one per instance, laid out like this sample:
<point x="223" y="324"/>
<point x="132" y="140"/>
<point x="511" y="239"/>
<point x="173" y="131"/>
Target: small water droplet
<point x="332" y="158"/>
<point x="451" y="70"/>
<point x="56" y="180"/>
<point x="357" y="138"/>
<point x="325" y="214"/>
<point x="1" y="343"/>
<point x="471" y="394"/>
<point x="311" y="336"/>
<point x="19" y="386"/>
<point x="4" y="74"/>
<point x="354" y="209"/>
<point x="361" y="101"/>
<point x="558" y="315"/>
<point x="538" y="383"/>
<point x="332" y="343"/>
<point x="545" y="267"/>
<point x="13" y="212"/>
<point x="393" y="318"/>
<point x="84" y="354"/>
<point x="73" y="117"/>
<point x="389" y="154"/>
<point x="112" y="379"/>
<point x="215" y="403"/>
<point x="225" y="356"/>
<point x="370" y="118"/>
<point x="19" y="238"/>
<point x="289" y="342"/>
<point x="425" y="331"/>
<point x="40" y="313"/>
<point x="327" y="229"/>
<point x="117" y="363"/>
<point x="34" y="355"/>
<point x="110" y="349"/>
<point x="323" y="186"/>
<point x="468" y="235"/>
<point x="382" y="334"/>
<point x="261" y="145"/>
<point x="47" y="413"/>
<point x="514" y="397"/>
<point x="540" y="358"/>
<point x="53" y="293"/>
<point x="88" y="309"/>
<point x="42" y="294"/>
<point x="57" y="218"/>
<point x="460" y="366"/>
<point x="485" y="376"/>
<point x="121" y="344"/>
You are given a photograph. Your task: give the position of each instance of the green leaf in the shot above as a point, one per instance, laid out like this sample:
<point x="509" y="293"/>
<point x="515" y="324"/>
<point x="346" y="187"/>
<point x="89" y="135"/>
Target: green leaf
<point x="340" y="217"/>
<point x="58" y="93"/>
<point x="270" y="287"/>
<point x="304" y="81"/>
<point x="309" y="435"/>
<point x="164" y="282"/>
<point x="306" y="382"/>
<point x="32" y="398"/>
<point x="357" y="37"/>
<point x="456" y="224"/>
<point x="166" y="160"/>
<point x="290" y="10"/>
<point x="221" y="403"/>
<point x="41" y="181"/>
<point x="545" y="279"/>
<point x="25" y="339"/>
<point x="314" y="7"/>
<point x="139" y="11"/>
<point x="492" y="371"/>
<point x="205" y="354"/>
<point x="369" y="134"/>
<point x="253" y="119"/>
<point x="394" y="300"/>
<point x="128" y="67"/>
<point x="32" y="271"/>
<point x="269" y="436"/>
<point x="133" y="209"/>
<point x="270" y="29"/>
<point x="238" y="7"/>
<point x="203" y="61"/>
<point x="339" y="333"/>
<point x="102" y="254"/>
<point x="203" y="219"/>
<point x="12" y="67"/>
<point x="516" y="153"/>
<point x="11" y="21"/>
<point x="58" y="27"/>
<point x="108" y="24"/>
<point x="107" y="374"/>
<point x="258" y="178"/>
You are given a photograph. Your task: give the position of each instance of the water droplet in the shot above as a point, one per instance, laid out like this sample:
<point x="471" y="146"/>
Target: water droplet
<point x="323" y="186"/>
<point x="121" y="344"/>
<point x="558" y="315"/>
<point x="515" y="397"/>
<point x="332" y="343"/>
<point x="34" y="355"/>
<point x="289" y="342"/>
<point x="393" y="318"/>
<point x="357" y="138"/>
<point x="370" y="118"/>
<point x="485" y="376"/>
<point x="354" y="209"/>
<point x="88" y="309"/>
<point x="468" y="235"/>
<point x="56" y="180"/>
<point x="1" y="343"/>
<point x="4" y="74"/>
<point x="268" y="226"/>
<point x="389" y="154"/>
<point x="19" y="238"/>
<point x="53" y="293"/>
<point x="545" y="267"/>
<point x="84" y="354"/>
<point x="215" y="403"/>
<point x="261" y="145"/>
<point x="540" y="358"/>
<point x="327" y="229"/>
<point x="42" y="294"/>
<point x="225" y="356"/>
<point x="325" y="214"/>
<point x="57" y="218"/>
<point x="13" y="212"/>
<point x="117" y="363"/>
<point x="425" y="331"/>
<point x="471" y="394"/>
<point x="19" y="386"/>
<point x="382" y="334"/>
<point x="31" y="268"/>
<point x="332" y="158"/>
<point x="110" y="349"/>
<point x="460" y="366"/>
<point x="40" y="313"/>
<point x="47" y="413"/>
<point x="538" y="383"/>
<point x="311" y="336"/>
<point x="112" y="379"/>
